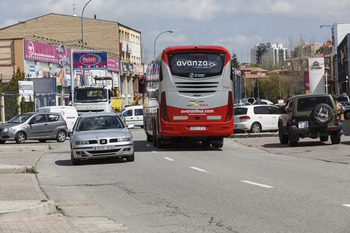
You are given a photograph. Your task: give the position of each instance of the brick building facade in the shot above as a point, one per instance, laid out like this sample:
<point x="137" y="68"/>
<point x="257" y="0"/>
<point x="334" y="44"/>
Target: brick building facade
<point x="56" y="29"/>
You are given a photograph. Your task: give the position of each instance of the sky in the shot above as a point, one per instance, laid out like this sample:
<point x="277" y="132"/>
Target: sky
<point x="237" y="25"/>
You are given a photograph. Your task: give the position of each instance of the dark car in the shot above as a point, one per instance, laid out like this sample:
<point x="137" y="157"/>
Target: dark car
<point x="312" y="116"/>
<point x="34" y="125"/>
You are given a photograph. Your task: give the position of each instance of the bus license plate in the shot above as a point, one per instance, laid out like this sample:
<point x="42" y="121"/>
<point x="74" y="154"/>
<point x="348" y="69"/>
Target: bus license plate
<point x="197" y="128"/>
<point x="103" y="147"/>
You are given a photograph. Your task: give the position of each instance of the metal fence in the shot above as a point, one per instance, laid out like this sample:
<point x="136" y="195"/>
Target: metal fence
<point x="11" y="104"/>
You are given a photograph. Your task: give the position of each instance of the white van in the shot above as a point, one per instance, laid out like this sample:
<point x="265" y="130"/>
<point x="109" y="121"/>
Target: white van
<point x="69" y="114"/>
<point x="133" y="115"/>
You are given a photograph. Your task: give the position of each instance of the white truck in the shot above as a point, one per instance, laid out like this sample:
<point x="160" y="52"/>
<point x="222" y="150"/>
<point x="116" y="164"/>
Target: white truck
<point x="94" y="98"/>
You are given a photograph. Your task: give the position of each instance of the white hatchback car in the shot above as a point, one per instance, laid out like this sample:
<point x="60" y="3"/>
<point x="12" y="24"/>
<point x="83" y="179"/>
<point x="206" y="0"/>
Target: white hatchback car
<point x="256" y="118"/>
<point x="133" y="115"/>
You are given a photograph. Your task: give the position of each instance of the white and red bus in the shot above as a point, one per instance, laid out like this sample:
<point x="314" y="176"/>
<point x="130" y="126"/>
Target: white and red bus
<point x="188" y="94"/>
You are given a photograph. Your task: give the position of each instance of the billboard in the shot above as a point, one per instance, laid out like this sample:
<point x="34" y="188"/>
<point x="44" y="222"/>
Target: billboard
<point x="44" y="52"/>
<point x="90" y="60"/>
<point x="26" y="90"/>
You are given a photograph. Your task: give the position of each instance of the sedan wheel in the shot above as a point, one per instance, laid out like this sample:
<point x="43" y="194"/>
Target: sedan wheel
<point x="61" y="136"/>
<point x="130" y="158"/>
<point x="20" y="137"/>
<point x="74" y="160"/>
<point x="256" y="128"/>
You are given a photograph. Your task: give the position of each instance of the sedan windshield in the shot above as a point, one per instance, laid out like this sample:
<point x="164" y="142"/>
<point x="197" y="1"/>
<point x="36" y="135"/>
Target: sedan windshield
<point x="20" y="118"/>
<point x="99" y="123"/>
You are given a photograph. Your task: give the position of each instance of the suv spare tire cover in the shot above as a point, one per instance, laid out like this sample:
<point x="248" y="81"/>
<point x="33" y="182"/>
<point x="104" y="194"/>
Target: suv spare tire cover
<point x="322" y="114"/>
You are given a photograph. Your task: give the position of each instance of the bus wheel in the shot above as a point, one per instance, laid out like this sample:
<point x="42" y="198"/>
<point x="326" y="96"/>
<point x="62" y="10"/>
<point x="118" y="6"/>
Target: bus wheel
<point x="206" y="142"/>
<point x="154" y="138"/>
<point x="218" y="143"/>
<point x="149" y="138"/>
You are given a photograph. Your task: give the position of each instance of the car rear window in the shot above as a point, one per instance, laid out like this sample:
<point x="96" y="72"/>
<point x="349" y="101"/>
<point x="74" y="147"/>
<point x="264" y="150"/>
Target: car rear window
<point x="240" y="111"/>
<point x="307" y="104"/>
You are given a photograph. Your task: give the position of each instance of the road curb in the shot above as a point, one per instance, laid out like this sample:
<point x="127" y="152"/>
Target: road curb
<point x="23" y="209"/>
<point x="254" y="135"/>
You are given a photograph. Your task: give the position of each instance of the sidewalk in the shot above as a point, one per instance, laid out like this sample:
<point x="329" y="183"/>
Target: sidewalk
<point x="23" y="206"/>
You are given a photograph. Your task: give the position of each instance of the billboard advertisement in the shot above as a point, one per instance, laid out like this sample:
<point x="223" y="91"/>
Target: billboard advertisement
<point x="316" y="75"/>
<point x="44" y="52"/>
<point x="90" y="60"/>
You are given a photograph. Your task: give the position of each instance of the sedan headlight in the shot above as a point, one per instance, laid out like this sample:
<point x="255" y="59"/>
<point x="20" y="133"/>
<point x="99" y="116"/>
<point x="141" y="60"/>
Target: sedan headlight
<point x="81" y="143"/>
<point x="8" y="129"/>
<point x="124" y="139"/>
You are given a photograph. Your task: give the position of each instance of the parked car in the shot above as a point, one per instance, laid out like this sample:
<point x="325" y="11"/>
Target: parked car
<point x="100" y="135"/>
<point x="69" y="114"/>
<point x="133" y="115"/>
<point x="312" y="116"/>
<point x="256" y="118"/>
<point x="34" y="125"/>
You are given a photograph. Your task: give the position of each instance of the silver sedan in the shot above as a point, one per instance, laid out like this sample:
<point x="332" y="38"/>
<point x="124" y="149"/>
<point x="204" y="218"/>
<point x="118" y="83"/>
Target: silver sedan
<point x="100" y="135"/>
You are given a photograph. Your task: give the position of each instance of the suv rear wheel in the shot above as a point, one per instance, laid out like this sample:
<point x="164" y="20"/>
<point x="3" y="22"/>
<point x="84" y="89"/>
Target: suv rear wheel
<point x="283" y="137"/>
<point x="292" y="139"/>
<point x="335" y="137"/>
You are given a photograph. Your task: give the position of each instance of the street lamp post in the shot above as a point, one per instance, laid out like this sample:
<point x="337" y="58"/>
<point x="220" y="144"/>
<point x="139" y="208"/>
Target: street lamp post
<point x="82" y="25"/>
<point x="170" y="31"/>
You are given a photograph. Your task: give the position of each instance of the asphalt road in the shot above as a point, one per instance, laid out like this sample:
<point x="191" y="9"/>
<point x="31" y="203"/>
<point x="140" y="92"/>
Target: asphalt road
<point x="187" y="188"/>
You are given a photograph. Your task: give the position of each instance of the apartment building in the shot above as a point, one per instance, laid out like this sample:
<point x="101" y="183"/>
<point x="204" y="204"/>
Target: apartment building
<point x="275" y="52"/>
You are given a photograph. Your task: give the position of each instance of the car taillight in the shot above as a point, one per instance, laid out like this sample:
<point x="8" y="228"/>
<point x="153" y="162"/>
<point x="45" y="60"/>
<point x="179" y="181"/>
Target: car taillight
<point x="229" y="113"/>
<point x="244" y="118"/>
<point x="163" y="109"/>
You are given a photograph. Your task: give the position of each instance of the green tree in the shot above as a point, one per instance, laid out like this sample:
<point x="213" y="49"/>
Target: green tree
<point x="12" y="86"/>
<point x="272" y="87"/>
<point x="235" y="62"/>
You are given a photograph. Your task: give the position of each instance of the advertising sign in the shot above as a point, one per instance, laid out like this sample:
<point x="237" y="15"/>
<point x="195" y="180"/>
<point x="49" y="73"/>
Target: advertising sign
<point x="113" y="64"/>
<point x="26" y="90"/>
<point x="88" y="60"/>
<point x="44" y="52"/>
<point x="316" y="75"/>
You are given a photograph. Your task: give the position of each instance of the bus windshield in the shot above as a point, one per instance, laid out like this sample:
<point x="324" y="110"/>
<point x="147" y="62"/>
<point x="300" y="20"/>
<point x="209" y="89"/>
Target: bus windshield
<point x="196" y="64"/>
<point x="90" y="95"/>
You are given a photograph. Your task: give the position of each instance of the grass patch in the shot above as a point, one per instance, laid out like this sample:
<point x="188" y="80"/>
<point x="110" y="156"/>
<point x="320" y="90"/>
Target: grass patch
<point x="31" y="170"/>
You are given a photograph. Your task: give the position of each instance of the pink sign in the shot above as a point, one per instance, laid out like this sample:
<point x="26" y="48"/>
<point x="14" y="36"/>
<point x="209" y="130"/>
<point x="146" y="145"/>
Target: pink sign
<point x="44" y="52"/>
<point x="113" y="64"/>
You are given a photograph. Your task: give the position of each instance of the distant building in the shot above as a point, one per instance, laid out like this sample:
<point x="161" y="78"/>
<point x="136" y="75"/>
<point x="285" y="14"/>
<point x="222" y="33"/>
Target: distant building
<point x="275" y="51"/>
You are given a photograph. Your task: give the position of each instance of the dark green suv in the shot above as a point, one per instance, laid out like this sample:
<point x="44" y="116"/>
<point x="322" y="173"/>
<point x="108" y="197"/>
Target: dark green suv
<point x="311" y="115"/>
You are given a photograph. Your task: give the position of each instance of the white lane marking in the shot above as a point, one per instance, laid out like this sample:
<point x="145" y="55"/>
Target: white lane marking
<point x="199" y="169"/>
<point x="167" y="158"/>
<point x="346" y="205"/>
<point x="257" y="184"/>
